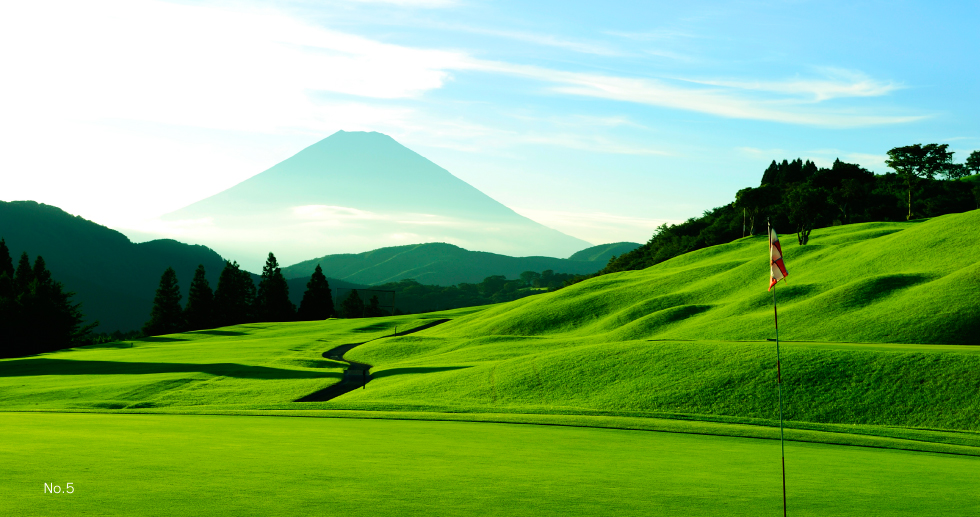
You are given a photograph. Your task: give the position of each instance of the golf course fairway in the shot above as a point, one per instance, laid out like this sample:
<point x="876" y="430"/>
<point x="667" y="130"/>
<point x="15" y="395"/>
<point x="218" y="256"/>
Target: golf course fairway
<point x="240" y="465"/>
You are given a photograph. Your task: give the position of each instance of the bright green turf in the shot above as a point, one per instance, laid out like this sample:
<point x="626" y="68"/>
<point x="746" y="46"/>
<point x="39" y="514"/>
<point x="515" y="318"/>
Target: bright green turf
<point x="263" y="363"/>
<point x="880" y="315"/>
<point x="613" y="346"/>
<point x="225" y="465"/>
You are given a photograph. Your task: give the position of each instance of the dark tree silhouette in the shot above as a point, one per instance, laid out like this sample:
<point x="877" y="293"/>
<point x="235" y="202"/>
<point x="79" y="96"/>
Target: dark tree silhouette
<point x="373" y="309"/>
<point x="24" y="274"/>
<point x="198" y="313"/>
<point x="39" y="317"/>
<point x="805" y="205"/>
<point x="272" y="301"/>
<point x="352" y="306"/>
<point x="166" y="317"/>
<point x="317" y="301"/>
<point x="914" y="162"/>
<point x="972" y="163"/>
<point x="234" y="297"/>
<point x="6" y="263"/>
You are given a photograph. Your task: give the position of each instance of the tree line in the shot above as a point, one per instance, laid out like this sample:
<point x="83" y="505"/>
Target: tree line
<point x="797" y="196"/>
<point x="238" y="300"/>
<point x="36" y="313"/>
<point x="235" y="300"/>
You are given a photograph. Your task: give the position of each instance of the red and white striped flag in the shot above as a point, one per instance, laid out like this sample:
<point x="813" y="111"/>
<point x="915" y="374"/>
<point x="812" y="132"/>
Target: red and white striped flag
<point x="776" y="267"/>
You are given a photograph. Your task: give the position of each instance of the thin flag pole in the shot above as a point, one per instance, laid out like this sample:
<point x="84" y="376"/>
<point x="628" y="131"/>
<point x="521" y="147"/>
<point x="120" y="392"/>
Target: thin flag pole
<point x="779" y="382"/>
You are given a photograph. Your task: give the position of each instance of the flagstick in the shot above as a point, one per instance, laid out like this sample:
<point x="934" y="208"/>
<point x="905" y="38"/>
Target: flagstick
<point x="779" y="384"/>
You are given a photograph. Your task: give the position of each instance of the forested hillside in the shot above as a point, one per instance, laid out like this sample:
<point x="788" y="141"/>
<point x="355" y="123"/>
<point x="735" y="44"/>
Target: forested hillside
<point x="797" y="197"/>
<point x="438" y="263"/>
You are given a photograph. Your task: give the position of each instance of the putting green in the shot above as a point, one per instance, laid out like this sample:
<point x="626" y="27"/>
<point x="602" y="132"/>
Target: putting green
<point x="234" y="465"/>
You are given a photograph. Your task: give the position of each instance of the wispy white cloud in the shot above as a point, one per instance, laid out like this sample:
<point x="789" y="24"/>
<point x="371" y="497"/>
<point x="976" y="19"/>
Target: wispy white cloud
<point x="547" y="40"/>
<point x="837" y="83"/>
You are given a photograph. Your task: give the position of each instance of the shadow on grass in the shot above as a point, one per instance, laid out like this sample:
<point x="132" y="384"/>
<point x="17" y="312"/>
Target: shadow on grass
<point x="43" y="366"/>
<point x="415" y="370"/>
<point x="160" y="339"/>
<point x="219" y="332"/>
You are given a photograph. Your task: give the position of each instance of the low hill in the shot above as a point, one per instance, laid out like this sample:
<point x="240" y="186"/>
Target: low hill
<point x="114" y="278"/>
<point x="435" y="264"/>
<point x="877" y="322"/>
<point x="603" y="252"/>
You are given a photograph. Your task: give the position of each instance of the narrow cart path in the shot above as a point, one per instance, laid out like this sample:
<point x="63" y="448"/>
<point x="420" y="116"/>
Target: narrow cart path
<point x="357" y="375"/>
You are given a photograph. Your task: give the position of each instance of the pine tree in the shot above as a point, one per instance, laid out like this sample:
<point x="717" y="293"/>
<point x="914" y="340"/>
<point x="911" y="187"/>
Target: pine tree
<point x="24" y="274"/>
<point x="234" y="297"/>
<point x="373" y="309"/>
<point x="317" y="301"/>
<point x="166" y="317"/>
<point x="48" y="316"/>
<point x="6" y="263"/>
<point x="272" y="301"/>
<point x="352" y="306"/>
<point x="200" y="301"/>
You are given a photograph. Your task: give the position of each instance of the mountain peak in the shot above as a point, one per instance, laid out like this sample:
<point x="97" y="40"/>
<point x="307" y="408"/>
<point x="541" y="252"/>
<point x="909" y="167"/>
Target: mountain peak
<point x="355" y="191"/>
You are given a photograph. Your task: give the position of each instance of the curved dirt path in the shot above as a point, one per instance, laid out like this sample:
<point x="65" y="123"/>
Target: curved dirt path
<point x="357" y="375"/>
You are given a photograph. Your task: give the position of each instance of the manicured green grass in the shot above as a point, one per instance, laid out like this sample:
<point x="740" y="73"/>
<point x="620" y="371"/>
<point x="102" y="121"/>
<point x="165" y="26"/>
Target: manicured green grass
<point x="263" y="363"/>
<point x="226" y="465"/>
<point x="672" y="361"/>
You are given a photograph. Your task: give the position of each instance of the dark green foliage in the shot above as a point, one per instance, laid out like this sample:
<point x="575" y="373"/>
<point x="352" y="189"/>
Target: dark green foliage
<point x="6" y="262"/>
<point x="166" y="317"/>
<point x="352" y="306"/>
<point x="373" y="309"/>
<point x="797" y="196"/>
<point x="234" y="297"/>
<point x="24" y="275"/>
<point x="272" y="301"/>
<point x="199" y="312"/>
<point x="972" y="164"/>
<point x="915" y="162"/>
<point x="757" y="203"/>
<point x="317" y="301"/>
<point x="114" y="279"/>
<point x="443" y="264"/>
<point x="723" y="224"/>
<point x="36" y="313"/>
<point x="806" y="205"/>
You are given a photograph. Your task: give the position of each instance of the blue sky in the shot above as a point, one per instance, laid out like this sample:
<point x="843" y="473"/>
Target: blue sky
<point x="599" y="119"/>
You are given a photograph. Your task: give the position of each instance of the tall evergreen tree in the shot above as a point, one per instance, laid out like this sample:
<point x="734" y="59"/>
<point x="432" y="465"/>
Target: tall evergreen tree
<point x="272" y="301"/>
<point x="24" y="274"/>
<point x="38" y="317"/>
<point x="234" y="297"/>
<point x="317" y="301"/>
<point x="166" y="317"/>
<point x="200" y="301"/>
<point x="352" y="306"/>
<point x="50" y="318"/>
<point x="373" y="309"/>
<point x="6" y="263"/>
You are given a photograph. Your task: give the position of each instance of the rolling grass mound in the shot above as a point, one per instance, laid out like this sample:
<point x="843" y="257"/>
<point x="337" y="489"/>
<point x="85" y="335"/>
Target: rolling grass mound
<point x="877" y="321"/>
<point x="914" y="282"/>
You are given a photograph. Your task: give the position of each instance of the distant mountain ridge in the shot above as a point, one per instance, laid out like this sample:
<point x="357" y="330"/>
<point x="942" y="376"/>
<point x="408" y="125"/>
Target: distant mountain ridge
<point x="358" y="190"/>
<point x="438" y="264"/>
<point x="604" y="252"/>
<point x="114" y="278"/>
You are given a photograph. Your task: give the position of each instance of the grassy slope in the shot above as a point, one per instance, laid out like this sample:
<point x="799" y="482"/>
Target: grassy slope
<point x="588" y="347"/>
<point x="208" y="465"/>
<point x="613" y="346"/>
